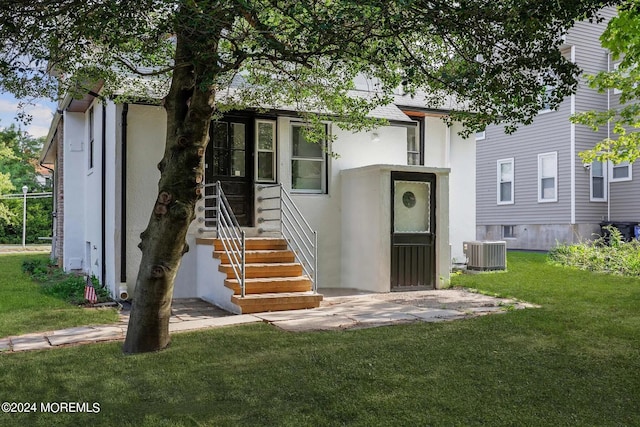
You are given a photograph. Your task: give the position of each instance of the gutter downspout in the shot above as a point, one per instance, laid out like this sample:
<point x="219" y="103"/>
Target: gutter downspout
<point x="123" y="195"/>
<point x="103" y="196"/>
<point x="573" y="149"/>
<point x="608" y="137"/>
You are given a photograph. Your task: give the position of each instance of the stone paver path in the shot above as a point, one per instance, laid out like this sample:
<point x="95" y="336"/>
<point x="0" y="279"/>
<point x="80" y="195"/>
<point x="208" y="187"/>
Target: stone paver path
<point x="337" y="312"/>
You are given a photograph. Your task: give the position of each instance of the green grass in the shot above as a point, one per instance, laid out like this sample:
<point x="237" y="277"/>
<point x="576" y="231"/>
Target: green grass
<point x="24" y="308"/>
<point x="575" y="361"/>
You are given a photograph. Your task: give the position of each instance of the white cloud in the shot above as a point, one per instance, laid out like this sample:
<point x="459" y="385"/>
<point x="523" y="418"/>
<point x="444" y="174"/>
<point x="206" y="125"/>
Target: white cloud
<point x="40" y="113"/>
<point x="37" y="131"/>
<point x="7" y="106"/>
<point x="40" y="120"/>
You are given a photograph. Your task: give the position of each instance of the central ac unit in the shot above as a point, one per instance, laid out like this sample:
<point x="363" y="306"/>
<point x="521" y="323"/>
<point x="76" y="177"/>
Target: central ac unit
<point x="486" y="255"/>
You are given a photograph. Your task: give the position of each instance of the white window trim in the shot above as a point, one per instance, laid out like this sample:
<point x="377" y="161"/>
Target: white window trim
<point x="498" y="181"/>
<point x="627" y="178"/>
<point x="274" y="150"/>
<point x="604" y="183"/>
<point x="325" y="163"/>
<point x="481" y="135"/>
<point x="555" y="181"/>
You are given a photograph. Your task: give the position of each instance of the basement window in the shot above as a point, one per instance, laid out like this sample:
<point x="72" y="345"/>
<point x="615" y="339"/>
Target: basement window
<point x="508" y="231"/>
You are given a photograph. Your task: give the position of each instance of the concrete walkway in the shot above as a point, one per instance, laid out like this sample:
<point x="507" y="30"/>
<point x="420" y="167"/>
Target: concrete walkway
<point x="341" y="309"/>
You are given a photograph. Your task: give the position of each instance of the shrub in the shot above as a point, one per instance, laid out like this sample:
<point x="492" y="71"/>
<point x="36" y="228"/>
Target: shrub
<point x="55" y="282"/>
<point x="39" y="269"/>
<point x="614" y="256"/>
<point x="71" y="289"/>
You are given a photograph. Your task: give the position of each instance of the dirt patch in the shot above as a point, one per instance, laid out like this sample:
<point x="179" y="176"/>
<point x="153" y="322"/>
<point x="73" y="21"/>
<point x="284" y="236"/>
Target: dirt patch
<point x="13" y="249"/>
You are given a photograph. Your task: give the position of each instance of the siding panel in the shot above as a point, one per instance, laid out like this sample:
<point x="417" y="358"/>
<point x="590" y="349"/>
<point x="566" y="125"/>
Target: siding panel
<point x="549" y="132"/>
<point x="524" y="146"/>
<point x="592" y="58"/>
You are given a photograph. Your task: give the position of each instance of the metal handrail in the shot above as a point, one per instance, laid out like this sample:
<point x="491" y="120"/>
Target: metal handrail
<point x="231" y="236"/>
<point x="302" y="238"/>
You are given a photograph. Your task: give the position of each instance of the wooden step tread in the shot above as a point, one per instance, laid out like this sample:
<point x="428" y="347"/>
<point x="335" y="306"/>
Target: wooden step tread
<point x="259" y="251"/>
<point x="214" y="240"/>
<point x="273" y="269"/>
<point x="250" y="243"/>
<point x="271" y="285"/>
<point x="278" y="295"/>
<point x="266" y="264"/>
<point x="270" y="279"/>
<point x="277" y="302"/>
<point x="258" y="256"/>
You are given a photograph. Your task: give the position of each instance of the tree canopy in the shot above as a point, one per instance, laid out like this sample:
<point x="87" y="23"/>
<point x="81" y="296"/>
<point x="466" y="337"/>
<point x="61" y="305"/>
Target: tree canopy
<point x="622" y="38"/>
<point x="493" y="61"/>
<point x="496" y="59"/>
<point x="18" y="167"/>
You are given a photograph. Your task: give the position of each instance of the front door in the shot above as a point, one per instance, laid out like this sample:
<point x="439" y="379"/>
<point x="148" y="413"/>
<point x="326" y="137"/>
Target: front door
<point x="413" y="233"/>
<point x="229" y="159"/>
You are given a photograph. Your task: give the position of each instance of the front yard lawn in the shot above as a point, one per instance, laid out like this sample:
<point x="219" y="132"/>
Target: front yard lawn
<point x="24" y="308"/>
<point x="575" y="361"/>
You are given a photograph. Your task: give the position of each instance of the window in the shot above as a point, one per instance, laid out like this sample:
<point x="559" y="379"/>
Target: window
<point x="266" y="150"/>
<point x="505" y="181"/>
<point x="546" y="98"/>
<point x="414" y="144"/>
<point x="598" y="182"/>
<point x="308" y="162"/>
<point x="624" y="74"/>
<point x="228" y="143"/>
<point x="548" y="177"/>
<point x="616" y="91"/>
<point x="481" y="135"/>
<point x="620" y="172"/>
<point x="91" y="144"/>
<point x="508" y="232"/>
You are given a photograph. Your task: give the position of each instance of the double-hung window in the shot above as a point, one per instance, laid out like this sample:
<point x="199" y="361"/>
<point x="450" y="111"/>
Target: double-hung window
<point x="266" y="150"/>
<point x="414" y="144"/>
<point x="308" y="162"/>
<point x="598" y="182"/>
<point x="548" y="177"/>
<point x="505" y="181"/>
<point x="546" y="99"/>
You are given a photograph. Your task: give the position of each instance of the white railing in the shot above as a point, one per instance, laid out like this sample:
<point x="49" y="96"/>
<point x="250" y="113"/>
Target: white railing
<point x="28" y="195"/>
<point x="228" y="231"/>
<point x="276" y="206"/>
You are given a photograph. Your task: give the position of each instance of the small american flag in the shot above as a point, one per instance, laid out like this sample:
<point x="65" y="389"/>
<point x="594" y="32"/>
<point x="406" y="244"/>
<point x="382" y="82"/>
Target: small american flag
<point x="90" y="292"/>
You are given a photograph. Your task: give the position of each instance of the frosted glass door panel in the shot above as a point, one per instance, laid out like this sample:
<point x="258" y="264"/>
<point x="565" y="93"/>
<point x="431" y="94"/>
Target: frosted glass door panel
<point x="411" y="207"/>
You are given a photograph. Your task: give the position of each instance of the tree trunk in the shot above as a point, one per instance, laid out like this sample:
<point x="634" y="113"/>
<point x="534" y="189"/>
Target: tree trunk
<point x="163" y="243"/>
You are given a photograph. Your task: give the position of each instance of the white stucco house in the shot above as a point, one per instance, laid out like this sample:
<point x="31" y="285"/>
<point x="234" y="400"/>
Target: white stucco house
<point x="391" y="207"/>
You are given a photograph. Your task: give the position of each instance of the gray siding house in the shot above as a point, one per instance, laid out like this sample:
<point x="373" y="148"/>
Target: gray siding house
<point x="532" y="188"/>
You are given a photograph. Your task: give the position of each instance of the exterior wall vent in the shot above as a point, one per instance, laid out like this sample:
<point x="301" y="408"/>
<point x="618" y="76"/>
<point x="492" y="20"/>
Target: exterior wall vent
<point x="486" y="256"/>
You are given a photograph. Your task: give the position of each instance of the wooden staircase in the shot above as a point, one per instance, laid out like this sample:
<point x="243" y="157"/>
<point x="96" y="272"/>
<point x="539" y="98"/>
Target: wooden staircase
<point x="274" y="281"/>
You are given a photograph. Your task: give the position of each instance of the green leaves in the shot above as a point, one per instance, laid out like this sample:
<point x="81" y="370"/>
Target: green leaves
<point x="492" y="59"/>
<point x="622" y="38"/>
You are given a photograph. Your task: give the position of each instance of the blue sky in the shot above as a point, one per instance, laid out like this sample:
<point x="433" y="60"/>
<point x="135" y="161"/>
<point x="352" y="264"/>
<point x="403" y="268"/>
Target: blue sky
<point x="41" y="112"/>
